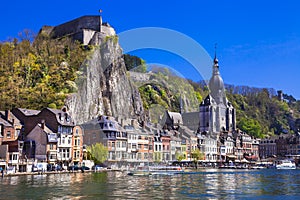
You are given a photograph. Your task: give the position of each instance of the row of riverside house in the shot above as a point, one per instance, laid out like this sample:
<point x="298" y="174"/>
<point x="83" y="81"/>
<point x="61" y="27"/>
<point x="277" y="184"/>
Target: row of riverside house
<point x="30" y="137"/>
<point x="280" y="146"/>
<point x="130" y="143"/>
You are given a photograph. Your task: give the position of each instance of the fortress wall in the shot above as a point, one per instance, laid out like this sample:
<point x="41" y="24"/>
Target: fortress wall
<point x="77" y="25"/>
<point x="107" y="30"/>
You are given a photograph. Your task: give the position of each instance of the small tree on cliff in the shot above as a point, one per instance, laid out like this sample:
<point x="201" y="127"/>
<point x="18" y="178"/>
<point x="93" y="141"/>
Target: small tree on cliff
<point x="97" y="152"/>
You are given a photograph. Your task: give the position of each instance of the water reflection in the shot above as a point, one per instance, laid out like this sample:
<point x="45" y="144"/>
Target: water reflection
<point x="206" y="184"/>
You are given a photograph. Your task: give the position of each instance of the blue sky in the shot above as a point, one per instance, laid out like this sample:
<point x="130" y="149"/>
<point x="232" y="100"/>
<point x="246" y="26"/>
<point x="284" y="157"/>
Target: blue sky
<point x="258" y="41"/>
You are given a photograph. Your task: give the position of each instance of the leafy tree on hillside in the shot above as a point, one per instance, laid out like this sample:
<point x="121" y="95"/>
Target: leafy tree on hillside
<point x="134" y="63"/>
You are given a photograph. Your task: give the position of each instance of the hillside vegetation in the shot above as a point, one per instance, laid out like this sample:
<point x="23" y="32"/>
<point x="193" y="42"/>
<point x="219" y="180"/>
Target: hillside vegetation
<point x="38" y="74"/>
<point x="259" y="110"/>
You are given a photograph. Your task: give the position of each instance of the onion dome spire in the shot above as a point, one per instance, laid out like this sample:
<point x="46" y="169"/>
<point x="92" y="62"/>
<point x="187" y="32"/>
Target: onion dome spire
<point x="216" y="84"/>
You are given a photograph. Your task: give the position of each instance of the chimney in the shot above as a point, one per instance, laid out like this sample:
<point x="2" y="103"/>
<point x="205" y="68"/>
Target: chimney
<point x="122" y="122"/>
<point x="43" y="124"/>
<point x="7" y="115"/>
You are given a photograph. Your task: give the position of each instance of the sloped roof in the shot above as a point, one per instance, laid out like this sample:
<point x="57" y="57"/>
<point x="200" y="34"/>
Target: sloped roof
<point x="191" y="120"/>
<point x="62" y="117"/>
<point x="177" y="118"/>
<point x="5" y="123"/>
<point x="12" y="116"/>
<point x="28" y="112"/>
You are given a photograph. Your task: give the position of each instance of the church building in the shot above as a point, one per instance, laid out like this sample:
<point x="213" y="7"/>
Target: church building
<point x="217" y="115"/>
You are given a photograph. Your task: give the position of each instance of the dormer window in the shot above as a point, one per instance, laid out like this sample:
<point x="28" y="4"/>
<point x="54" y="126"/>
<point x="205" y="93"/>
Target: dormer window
<point x="68" y="118"/>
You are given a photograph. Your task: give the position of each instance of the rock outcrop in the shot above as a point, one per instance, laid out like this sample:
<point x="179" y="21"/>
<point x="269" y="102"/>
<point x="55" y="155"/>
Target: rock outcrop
<point x="104" y="88"/>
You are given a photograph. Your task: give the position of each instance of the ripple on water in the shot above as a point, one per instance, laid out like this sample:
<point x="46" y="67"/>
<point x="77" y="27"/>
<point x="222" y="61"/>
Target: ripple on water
<point x="210" y="184"/>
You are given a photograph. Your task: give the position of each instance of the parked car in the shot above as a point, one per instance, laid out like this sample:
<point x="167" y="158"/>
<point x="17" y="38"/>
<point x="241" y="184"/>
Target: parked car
<point x="73" y="168"/>
<point x="76" y="167"/>
<point x="97" y="167"/>
<point x="85" y="168"/>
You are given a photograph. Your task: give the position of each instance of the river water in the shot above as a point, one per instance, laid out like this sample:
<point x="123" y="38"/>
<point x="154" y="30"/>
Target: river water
<point x="205" y="184"/>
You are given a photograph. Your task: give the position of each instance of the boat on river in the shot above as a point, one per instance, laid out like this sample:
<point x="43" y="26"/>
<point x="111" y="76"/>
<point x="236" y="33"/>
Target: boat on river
<point x="156" y="170"/>
<point x="285" y="164"/>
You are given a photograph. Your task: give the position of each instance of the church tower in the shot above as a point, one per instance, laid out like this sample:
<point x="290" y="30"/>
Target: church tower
<point x="216" y="112"/>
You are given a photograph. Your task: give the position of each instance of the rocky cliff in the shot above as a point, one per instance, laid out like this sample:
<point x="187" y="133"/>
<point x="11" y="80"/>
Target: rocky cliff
<point x="103" y="85"/>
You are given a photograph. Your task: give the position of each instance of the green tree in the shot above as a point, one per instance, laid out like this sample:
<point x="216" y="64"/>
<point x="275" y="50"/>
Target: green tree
<point x="134" y="63"/>
<point x="179" y="156"/>
<point x="197" y="155"/>
<point x="97" y="152"/>
<point x="251" y="126"/>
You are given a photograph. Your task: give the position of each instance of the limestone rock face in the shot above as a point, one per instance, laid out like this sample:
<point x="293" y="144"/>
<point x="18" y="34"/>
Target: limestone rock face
<point x="103" y="85"/>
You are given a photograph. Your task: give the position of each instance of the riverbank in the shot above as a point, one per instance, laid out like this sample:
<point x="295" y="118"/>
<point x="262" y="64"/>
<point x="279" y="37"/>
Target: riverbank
<point x="58" y="172"/>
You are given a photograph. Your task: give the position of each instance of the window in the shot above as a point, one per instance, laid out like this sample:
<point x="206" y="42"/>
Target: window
<point x="145" y="146"/>
<point x="145" y="156"/>
<point x="51" y="146"/>
<point x="8" y="134"/>
<point x="59" y="129"/>
<point x="17" y="133"/>
<point x="68" y="153"/>
<point x="68" y="119"/>
<point x="139" y="146"/>
<point x="124" y="155"/>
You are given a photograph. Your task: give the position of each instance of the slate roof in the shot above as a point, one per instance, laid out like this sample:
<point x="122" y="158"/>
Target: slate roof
<point x="5" y="123"/>
<point x="29" y="112"/>
<point x="62" y="117"/>
<point x="177" y="118"/>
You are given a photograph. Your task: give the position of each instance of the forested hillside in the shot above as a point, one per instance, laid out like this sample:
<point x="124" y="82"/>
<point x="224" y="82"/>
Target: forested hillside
<point x="260" y="112"/>
<point x="38" y="74"/>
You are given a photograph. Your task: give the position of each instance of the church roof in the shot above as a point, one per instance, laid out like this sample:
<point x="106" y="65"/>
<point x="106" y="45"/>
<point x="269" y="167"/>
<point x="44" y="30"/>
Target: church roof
<point x="216" y="85"/>
<point x="177" y="118"/>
